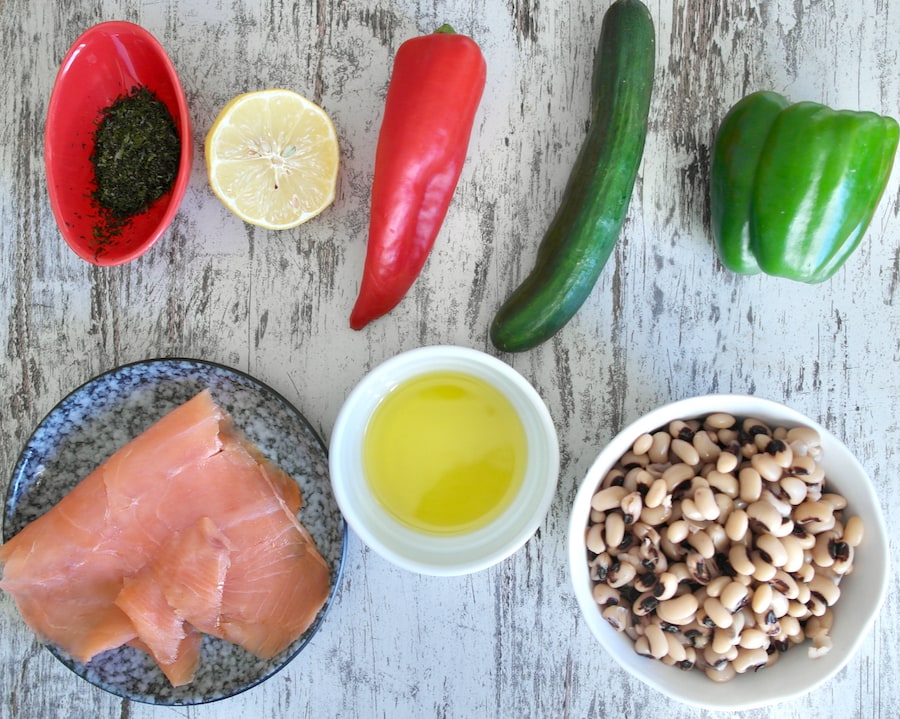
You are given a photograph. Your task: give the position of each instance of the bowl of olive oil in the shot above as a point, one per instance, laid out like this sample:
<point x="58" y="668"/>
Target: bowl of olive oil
<point x="444" y="460"/>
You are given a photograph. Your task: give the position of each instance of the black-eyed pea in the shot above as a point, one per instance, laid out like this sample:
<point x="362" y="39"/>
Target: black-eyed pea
<point x="674" y="552"/>
<point x="605" y="595"/>
<point x="656" y="493"/>
<point x="676" y="650"/>
<point x="705" y="501"/>
<point x="620" y="574"/>
<point x="762" y="598"/>
<point x="659" y="448"/>
<point x="801" y="466"/>
<point x="765" y="464"/>
<point x="794" y="488"/>
<point x="613" y="478"/>
<point x="784" y="529"/>
<point x="771" y="549"/>
<point x="816" y="605"/>
<point x="723" y="482"/>
<point x="794" y="550"/>
<point x="666" y="586"/>
<point x="702" y="569"/>
<point x="706" y="446"/>
<point x="690" y="658"/>
<point x="740" y="560"/>
<point x="791" y="626"/>
<point x="719" y="420"/>
<point x="780" y="604"/>
<point x="781" y="452"/>
<point x="678" y="531"/>
<point x="642" y="444"/>
<point x="608" y="498"/>
<point x="753" y="638"/>
<point x="809" y="513"/>
<point x="797" y="610"/>
<point x="678" y="610"/>
<point x="763" y="571"/>
<point x="599" y="567"/>
<point x="656" y="638"/>
<point x="656" y="516"/>
<point x="717" y="586"/>
<point x="678" y="474"/>
<point x="632" y="504"/>
<point x="630" y="482"/>
<point x="806" y="572"/>
<point x="748" y="449"/>
<point x="824" y="587"/>
<point x="690" y="510"/>
<point x="642" y="647"/>
<point x="702" y="543"/>
<point x="716" y="533"/>
<point x="843" y="558"/>
<point x="764" y="515"/>
<point x="644" y="604"/>
<point x="786" y="584"/>
<point x="727" y="462"/>
<point x="685" y="451"/>
<point x="717" y="612"/>
<point x="682" y="429"/>
<point x="594" y="539"/>
<point x="721" y="675"/>
<point x="736" y="525"/>
<point x="815" y="479"/>
<point x="596" y="517"/>
<point x="762" y="441"/>
<point x="821" y="551"/>
<point x="617" y="616"/>
<point x="802" y="592"/>
<point x="630" y="460"/>
<point x="614" y="529"/>
<point x="817" y="527"/>
<point x="750" y="484"/>
<point x="837" y="501"/>
<point x="724" y="640"/>
<point x="779" y="501"/>
<point x="854" y="531"/>
<point x="755" y="427"/>
<point x="734" y="595"/>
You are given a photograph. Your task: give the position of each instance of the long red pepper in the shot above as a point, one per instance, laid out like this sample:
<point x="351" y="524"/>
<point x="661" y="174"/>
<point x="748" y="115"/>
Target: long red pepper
<point x="435" y="87"/>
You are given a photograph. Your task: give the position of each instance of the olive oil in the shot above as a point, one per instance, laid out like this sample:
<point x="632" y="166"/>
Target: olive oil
<point x="445" y="452"/>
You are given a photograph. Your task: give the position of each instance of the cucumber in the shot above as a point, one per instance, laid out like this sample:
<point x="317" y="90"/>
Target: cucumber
<point x="587" y="224"/>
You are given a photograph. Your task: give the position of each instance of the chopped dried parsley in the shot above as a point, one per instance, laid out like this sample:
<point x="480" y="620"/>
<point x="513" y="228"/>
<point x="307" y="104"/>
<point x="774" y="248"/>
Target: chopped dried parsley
<point x="135" y="158"/>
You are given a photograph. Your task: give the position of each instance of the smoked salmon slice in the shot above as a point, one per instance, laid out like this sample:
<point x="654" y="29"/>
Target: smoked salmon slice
<point x="187" y="529"/>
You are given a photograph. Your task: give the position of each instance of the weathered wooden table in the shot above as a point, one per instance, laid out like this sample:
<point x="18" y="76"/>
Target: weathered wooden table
<point x="665" y="321"/>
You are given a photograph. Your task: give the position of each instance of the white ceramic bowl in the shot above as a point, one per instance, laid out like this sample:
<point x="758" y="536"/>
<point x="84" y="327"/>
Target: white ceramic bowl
<point x="455" y="554"/>
<point x="862" y="592"/>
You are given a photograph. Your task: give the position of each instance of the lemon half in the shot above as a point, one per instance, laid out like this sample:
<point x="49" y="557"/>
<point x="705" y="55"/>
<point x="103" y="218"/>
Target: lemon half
<point x="272" y="158"/>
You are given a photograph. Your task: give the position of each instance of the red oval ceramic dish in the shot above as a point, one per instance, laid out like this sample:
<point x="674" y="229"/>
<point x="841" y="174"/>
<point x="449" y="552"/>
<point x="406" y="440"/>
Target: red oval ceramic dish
<point x="105" y="62"/>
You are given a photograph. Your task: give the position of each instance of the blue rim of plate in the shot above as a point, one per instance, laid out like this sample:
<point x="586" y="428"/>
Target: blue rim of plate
<point x="101" y="415"/>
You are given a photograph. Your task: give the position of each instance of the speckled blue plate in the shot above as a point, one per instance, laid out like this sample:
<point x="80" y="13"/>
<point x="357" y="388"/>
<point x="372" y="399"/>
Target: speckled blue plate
<point x="101" y="416"/>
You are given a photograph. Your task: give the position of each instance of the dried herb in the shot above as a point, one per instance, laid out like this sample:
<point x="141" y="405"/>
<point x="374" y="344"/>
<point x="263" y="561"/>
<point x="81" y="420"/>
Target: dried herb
<point x="135" y="157"/>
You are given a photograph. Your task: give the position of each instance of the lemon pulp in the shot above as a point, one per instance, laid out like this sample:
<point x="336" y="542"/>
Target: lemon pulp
<point x="445" y="453"/>
<point x="272" y="158"/>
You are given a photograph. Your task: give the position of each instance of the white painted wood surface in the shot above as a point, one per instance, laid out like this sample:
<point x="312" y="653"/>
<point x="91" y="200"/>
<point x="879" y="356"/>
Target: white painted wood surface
<point x="665" y="320"/>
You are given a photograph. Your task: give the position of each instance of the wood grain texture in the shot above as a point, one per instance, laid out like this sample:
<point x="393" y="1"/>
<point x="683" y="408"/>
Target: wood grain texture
<point x="665" y="320"/>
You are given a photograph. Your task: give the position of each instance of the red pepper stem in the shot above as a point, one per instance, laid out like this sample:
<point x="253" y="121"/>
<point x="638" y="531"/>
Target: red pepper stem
<point x="445" y="29"/>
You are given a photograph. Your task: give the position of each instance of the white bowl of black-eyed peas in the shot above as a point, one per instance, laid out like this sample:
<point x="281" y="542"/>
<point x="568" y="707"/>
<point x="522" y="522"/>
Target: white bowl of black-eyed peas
<point x="728" y="551"/>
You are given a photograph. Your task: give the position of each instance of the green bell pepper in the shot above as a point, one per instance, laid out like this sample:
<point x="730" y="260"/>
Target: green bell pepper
<point x="793" y="187"/>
